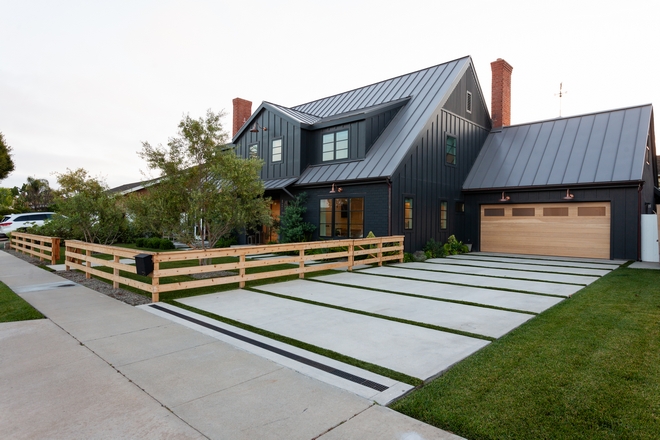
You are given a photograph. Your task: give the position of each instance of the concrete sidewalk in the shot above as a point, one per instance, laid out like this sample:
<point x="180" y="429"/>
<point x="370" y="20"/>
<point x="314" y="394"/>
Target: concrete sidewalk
<point x="98" y="368"/>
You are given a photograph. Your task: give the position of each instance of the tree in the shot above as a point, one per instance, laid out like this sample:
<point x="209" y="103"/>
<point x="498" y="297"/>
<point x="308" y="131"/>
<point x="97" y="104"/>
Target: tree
<point x="293" y="228"/>
<point x="6" y="200"/>
<point x="6" y="164"/>
<point x="88" y="209"/>
<point x="35" y="195"/>
<point x="205" y="190"/>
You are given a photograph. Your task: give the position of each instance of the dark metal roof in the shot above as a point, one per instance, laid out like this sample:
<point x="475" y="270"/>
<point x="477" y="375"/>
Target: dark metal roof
<point x="296" y="115"/>
<point x="278" y="183"/>
<point x="426" y="89"/>
<point x="595" y="148"/>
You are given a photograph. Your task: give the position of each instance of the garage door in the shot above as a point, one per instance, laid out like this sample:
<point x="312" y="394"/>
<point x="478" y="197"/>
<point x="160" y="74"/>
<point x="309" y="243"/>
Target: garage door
<point x="561" y="229"/>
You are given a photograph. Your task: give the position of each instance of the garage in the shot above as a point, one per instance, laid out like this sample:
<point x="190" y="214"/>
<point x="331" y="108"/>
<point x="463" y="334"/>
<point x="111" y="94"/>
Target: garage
<point x="561" y="229"/>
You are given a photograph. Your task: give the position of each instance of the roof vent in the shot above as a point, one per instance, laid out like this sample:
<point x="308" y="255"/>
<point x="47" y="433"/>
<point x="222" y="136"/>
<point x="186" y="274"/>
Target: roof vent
<point x="468" y="102"/>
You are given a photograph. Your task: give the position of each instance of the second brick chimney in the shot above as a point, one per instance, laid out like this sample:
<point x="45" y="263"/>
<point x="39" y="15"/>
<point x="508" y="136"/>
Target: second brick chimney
<point x="501" y="93"/>
<point x="242" y="112"/>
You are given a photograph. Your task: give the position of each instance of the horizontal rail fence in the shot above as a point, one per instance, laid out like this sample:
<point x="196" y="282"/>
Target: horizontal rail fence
<point x="303" y="257"/>
<point x="40" y="246"/>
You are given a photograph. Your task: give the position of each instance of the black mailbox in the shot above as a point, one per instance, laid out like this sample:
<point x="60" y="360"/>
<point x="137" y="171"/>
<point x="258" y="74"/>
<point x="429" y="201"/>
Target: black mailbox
<point x="144" y="264"/>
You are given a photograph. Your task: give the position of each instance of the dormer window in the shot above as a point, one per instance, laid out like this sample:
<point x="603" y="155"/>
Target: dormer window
<point x="335" y="145"/>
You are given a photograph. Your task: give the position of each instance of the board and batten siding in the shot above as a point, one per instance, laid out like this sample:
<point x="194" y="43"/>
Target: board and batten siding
<point x="425" y="176"/>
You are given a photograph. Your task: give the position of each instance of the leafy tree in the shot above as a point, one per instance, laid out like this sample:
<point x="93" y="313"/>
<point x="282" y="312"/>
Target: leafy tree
<point x="293" y="228"/>
<point x="35" y="195"/>
<point x="6" y="200"/>
<point x="205" y="190"/>
<point x="88" y="209"/>
<point x="6" y="163"/>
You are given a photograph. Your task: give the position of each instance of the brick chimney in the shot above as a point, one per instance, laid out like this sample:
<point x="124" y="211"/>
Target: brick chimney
<point x="242" y="112"/>
<point x="501" y="94"/>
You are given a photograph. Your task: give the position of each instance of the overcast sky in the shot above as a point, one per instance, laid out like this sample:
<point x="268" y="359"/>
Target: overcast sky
<point x="83" y="83"/>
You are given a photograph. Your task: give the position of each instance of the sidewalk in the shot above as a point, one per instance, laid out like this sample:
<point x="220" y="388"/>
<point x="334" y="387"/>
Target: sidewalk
<point x="98" y="368"/>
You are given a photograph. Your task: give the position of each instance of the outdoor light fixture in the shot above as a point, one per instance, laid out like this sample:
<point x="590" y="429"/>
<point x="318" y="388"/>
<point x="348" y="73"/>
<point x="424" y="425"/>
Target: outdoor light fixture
<point x="505" y="198"/>
<point x="568" y="195"/>
<point x="332" y="191"/>
<point x="255" y="128"/>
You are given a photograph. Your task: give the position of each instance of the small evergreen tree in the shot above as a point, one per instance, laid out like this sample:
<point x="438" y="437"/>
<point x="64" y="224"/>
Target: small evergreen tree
<point x="293" y="228"/>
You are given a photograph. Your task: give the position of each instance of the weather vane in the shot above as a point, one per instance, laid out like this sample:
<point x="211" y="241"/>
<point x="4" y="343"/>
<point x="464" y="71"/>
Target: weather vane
<point x="560" y="94"/>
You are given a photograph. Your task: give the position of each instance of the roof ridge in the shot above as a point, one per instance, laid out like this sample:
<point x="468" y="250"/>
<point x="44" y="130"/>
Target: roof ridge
<point x="562" y="118"/>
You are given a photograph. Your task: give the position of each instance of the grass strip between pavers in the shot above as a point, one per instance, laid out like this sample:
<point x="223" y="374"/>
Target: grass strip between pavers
<point x="14" y="308"/>
<point x="395" y="375"/>
<point x="376" y="315"/>
<point x="588" y="368"/>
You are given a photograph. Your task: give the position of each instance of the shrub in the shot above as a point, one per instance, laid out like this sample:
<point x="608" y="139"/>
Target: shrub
<point x="293" y="229"/>
<point x="166" y="244"/>
<point x="454" y="247"/>
<point x="434" y="249"/>
<point x="407" y="257"/>
<point x="226" y="241"/>
<point x="139" y="242"/>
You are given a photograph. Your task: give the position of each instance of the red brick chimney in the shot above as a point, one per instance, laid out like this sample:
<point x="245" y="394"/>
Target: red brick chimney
<point x="501" y="93"/>
<point x="242" y="111"/>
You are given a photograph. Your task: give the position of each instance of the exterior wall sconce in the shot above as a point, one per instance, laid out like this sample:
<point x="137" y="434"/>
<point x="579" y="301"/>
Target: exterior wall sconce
<point x="568" y="195"/>
<point x="255" y="128"/>
<point x="332" y="191"/>
<point x="505" y="198"/>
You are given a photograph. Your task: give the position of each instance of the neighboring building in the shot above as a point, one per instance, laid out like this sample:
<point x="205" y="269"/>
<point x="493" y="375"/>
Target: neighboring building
<point x="419" y="155"/>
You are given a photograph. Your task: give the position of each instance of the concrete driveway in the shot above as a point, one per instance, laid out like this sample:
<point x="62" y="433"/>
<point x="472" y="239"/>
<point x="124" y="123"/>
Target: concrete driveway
<point x="414" y="318"/>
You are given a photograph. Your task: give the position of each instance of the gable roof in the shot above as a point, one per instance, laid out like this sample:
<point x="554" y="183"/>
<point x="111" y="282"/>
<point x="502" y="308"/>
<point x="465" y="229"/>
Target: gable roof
<point x="419" y="94"/>
<point x="603" y="147"/>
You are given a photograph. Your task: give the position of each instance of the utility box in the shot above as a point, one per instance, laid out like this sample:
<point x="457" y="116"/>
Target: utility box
<point x="144" y="264"/>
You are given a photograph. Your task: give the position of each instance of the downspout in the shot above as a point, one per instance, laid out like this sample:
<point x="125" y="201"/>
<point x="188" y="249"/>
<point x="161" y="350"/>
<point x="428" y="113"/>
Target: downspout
<point x="389" y="207"/>
<point x="639" y="221"/>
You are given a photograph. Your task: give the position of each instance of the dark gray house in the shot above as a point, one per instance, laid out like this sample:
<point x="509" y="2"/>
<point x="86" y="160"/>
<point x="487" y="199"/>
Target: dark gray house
<point x="390" y="157"/>
<point x="419" y="155"/>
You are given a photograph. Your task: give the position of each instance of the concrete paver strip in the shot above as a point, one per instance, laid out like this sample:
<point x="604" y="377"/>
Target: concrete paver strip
<point x="437" y="264"/>
<point x="478" y="295"/>
<point x="472" y="319"/>
<point x="53" y="387"/>
<point x="478" y="256"/>
<point x="519" y="266"/>
<point x="416" y="351"/>
<point x="564" y="260"/>
<point x="476" y="280"/>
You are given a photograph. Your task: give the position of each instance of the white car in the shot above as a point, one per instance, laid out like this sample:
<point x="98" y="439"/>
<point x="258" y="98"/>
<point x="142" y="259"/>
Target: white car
<point x="13" y="222"/>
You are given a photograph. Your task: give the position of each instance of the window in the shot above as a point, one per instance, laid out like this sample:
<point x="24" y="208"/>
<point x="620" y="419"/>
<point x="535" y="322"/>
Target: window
<point x="450" y="148"/>
<point x="460" y="207"/>
<point x="523" y="212"/>
<point x="335" y="145"/>
<point x="468" y="102"/>
<point x="276" y="151"/>
<point x="253" y="151"/>
<point x="342" y="217"/>
<point x="407" y="213"/>
<point x="493" y="212"/>
<point x="443" y="215"/>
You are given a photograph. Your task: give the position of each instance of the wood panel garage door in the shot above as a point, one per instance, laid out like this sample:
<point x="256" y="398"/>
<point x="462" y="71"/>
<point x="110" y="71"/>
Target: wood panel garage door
<point x="561" y="229"/>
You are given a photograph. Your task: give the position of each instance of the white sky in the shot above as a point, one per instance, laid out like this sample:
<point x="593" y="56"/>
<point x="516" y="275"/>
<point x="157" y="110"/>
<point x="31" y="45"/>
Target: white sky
<point x="83" y="83"/>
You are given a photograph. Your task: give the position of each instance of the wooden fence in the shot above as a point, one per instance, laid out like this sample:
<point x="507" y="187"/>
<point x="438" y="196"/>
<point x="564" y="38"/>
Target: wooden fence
<point x="45" y="248"/>
<point x="304" y="257"/>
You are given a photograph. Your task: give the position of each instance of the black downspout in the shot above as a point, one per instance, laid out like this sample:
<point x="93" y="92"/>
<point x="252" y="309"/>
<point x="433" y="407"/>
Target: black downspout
<point x="639" y="221"/>
<point x="389" y="207"/>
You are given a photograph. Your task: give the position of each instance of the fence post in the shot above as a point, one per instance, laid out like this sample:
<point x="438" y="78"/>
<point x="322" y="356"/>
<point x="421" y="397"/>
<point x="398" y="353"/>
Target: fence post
<point x="155" y="282"/>
<point x="380" y="252"/>
<point x="55" y="249"/>
<point x="351" y="256"/>
<point x="42" y="243"/>
<point x="115" y="273"/>
<point x="401" y="251"/>
<point x="88" y="264"/>
<point x="301" y="263"/>
<point x="241" y="270"/>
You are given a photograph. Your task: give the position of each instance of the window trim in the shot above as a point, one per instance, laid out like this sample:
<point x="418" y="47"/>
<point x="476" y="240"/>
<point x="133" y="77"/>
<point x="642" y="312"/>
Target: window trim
<point x="447" y="136"/>
<point x="272" y="149"/>
<point x="334" y="145"/>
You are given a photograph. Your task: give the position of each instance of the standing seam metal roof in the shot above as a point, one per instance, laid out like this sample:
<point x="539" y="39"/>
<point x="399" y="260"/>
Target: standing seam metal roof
<point x="600" y="147"/>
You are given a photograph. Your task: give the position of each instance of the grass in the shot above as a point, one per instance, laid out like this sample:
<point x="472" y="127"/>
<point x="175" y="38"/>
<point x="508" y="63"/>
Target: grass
<point x="15" y="308"/>
<point x="589" y="368"/>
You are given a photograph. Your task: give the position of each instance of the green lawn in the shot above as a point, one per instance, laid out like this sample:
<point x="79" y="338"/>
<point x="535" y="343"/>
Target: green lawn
<point x="589" y="368"/>
<point x="15" y="308"/>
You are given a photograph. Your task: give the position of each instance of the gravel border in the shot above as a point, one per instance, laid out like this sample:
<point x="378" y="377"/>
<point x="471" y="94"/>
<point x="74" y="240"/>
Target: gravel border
<point x="126" y="296"/>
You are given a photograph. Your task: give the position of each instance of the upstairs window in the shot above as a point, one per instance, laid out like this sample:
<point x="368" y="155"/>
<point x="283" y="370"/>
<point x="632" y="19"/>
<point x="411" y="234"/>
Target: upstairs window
<point x="276" y="150"/>
<point x="450" y="149"/>
<point x="253" y="151"/>
<point x="335" y="146"/>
